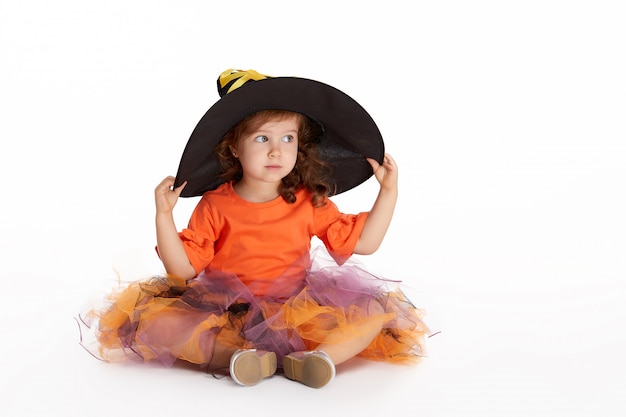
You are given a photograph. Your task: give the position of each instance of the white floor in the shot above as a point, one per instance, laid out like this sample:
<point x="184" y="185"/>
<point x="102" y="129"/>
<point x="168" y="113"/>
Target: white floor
<point x="506" y="120"/>
<point x="498" y="354"/>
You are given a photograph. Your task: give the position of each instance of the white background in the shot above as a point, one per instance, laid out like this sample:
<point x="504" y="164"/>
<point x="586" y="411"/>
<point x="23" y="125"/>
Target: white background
<point x="506" y="118"/>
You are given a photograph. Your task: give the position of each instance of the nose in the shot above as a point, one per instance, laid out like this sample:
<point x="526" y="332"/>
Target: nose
<point x="274" y="150"/>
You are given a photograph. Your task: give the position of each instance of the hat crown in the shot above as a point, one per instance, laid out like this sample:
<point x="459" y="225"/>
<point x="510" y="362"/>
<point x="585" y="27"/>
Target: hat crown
<point x="232" y="79"/>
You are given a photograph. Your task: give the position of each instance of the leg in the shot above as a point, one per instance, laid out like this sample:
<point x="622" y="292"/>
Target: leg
<point x="341" y="350"/>
<point x="245" y="366"/>
<point x="221" y="356"/>
<point x="317" y="368"/>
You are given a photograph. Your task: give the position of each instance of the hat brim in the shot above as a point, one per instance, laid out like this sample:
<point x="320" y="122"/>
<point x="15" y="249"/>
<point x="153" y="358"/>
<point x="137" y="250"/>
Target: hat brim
<point x="350" y="133"/>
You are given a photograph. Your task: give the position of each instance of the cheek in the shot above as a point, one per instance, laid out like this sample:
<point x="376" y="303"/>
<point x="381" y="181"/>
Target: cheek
<point x="294" y="156"/>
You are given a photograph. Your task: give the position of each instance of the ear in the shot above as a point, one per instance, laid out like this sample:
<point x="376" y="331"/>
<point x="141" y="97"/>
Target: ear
<point x="233" y="151"/>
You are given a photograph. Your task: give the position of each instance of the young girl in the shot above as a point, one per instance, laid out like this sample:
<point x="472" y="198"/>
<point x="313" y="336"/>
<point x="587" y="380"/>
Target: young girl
<point x="243" y="290"/>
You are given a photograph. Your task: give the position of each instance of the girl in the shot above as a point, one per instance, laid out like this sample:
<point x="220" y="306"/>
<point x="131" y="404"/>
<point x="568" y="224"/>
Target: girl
<point x="243" y="290"/>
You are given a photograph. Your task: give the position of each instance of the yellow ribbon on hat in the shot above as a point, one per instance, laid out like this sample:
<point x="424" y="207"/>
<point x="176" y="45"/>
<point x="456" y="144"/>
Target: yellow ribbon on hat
<point x="241" y="76"/>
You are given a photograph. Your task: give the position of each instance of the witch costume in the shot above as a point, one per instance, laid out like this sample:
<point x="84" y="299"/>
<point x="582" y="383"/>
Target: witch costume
<point x="289" y="298"/>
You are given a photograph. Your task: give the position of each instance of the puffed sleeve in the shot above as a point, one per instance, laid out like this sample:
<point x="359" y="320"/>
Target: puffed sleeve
<point x="200" y="235"/>
<point x="338" y="231"/>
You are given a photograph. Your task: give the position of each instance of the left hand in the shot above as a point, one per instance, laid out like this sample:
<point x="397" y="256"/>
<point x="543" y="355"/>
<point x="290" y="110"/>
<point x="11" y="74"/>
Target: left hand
<point x="386" y="173"/>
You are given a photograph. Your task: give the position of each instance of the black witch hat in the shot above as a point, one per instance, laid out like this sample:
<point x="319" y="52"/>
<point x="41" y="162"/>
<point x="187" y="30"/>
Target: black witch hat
<point x="349" y="133"/>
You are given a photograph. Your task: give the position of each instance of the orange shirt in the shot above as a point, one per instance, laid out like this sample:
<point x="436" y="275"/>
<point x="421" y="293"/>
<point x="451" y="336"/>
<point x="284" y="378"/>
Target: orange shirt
<point x="259" y="241"/>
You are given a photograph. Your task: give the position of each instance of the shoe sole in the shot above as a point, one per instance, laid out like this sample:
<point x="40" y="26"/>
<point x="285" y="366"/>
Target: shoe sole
<point x="249" y="367"/>
<point x="314" y="370"/>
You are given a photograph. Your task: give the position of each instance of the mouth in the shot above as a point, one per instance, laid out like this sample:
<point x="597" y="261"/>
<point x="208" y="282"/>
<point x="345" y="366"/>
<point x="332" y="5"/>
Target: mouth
<point x="273" y="166"/>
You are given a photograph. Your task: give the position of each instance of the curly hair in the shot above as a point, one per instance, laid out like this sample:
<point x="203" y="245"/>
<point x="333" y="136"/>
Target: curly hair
<point x="310" y="170"/>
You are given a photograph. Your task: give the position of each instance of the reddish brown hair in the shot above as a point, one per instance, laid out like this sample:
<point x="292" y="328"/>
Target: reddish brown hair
<point x="310" y="170"/>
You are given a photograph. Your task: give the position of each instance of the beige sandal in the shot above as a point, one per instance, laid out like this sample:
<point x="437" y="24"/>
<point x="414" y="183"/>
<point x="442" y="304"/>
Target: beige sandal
<point x="249" y="366"/>
<point x="314" y="369"/>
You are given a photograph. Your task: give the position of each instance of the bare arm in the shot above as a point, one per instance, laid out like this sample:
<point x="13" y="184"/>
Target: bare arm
<point x="170" y="246"/>
<point x="381" y="213"/>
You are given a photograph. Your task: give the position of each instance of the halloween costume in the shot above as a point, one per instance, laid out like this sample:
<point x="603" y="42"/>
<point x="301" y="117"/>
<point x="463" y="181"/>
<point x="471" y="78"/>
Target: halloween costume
<point x="259" y="286"/>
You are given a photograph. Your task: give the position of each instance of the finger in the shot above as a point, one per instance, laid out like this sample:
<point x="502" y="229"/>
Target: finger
<point x="166" y="184"/>
<point x="389" y="162"/>
<point x="179" y="189"/>
<point x="374" y="163"/>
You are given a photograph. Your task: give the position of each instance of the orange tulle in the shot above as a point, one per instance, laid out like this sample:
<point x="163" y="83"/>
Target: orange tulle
<point x="166" y="319"/>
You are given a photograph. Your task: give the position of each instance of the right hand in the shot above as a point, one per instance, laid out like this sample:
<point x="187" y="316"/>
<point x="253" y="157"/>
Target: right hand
<point x="165" y="197"/>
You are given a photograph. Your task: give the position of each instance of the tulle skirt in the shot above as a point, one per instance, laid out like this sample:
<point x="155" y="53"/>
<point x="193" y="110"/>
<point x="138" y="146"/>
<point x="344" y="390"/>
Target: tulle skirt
<point x="165" y="319"/>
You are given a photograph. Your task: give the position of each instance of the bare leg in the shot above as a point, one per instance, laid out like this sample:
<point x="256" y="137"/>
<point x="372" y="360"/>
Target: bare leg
<point x="221" y="356"/>
<point x="367" y="331"/>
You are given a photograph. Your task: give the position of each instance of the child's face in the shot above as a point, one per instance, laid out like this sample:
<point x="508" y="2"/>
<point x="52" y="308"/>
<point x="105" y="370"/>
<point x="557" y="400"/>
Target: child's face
<point x="269" y="153"/>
